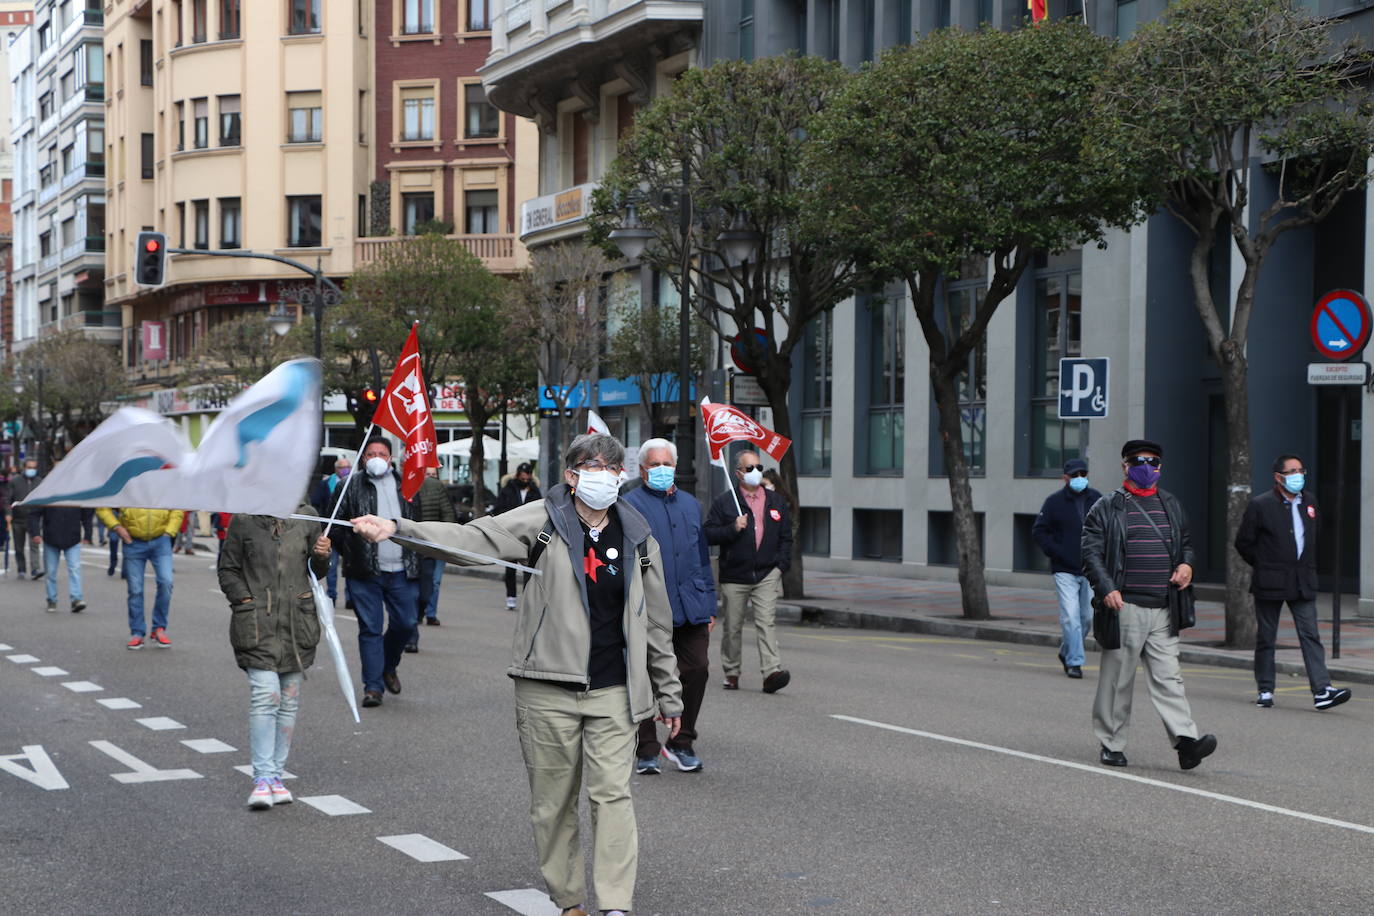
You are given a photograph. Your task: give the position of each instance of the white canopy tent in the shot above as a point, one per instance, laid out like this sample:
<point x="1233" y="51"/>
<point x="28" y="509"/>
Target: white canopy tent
<point x="462" y="448"/>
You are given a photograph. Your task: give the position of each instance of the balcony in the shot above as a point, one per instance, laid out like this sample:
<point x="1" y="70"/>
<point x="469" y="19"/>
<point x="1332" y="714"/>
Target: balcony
<point x="82" y="172"/>
<point x="89" y="94"/>
<point x="92" y="245"/>
<point x="497" y="251"/>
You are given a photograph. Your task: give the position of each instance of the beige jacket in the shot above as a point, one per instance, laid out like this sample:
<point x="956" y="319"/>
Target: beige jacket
<point x="553" y="631"/>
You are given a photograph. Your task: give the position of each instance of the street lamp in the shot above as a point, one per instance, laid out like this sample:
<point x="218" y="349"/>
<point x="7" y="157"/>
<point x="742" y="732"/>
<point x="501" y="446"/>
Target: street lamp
<point x="280" y="320"/>
<point x="317" y="300"/>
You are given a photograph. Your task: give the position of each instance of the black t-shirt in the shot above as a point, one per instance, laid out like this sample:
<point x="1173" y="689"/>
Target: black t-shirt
<point x="605" y="564"/>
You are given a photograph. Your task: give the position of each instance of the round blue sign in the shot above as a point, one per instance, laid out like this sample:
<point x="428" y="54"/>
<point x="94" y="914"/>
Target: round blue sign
<point x="1340" y="324"/>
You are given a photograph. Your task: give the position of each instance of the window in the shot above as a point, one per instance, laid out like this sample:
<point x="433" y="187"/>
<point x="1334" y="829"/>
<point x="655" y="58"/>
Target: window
<point x="417" y="113"/>
<point x="230" y="222"/>
<point x="200" y="20"/>
<point x="230" y="125"/>
<point x="201" y="214"/>
<point x="68" y="84"/>
<point x="481" y="213"/>
<point x="361" y="231"/>
<point x="303" y="222"/>
<point x="1127" y="14"/>
<point x="145" y="62"/>
<point x="229" y="19"/>
<point x="878" y="534"/>
<point x="44" y="37"/>
<point x="1058" y="334"/>
<point x="419" y="17"/>
<point x="746" y="29"/>
<point x="45" y="106"/>
<point x="886" y="359"/>
<point x="181" y="225"/>
<point x="416" y="209"/>
<point x="176" y="18"/>
<point x="817" y="374"/>
<point x="815" y="530"/>
<point x="481" y="118"/>
<point x="201" y="112"/>
<point x="479" y="17"/>
<point x="181" y="125"/>
<point x="305" y="17"/>
<point x="68" y="157"/>
<point x="44" y="244"/>
<point x="147" y="156"/>
<point x="944" y="14"/>
<point x="965" y="298"/>
<point x="867" y="25"/>
<point x="306" y="118"/>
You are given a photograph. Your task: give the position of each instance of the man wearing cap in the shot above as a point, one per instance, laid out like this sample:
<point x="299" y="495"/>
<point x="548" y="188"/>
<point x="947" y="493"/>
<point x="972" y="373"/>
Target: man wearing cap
<point x="1136" y="548"/>
<point x="519" y="490"/>
<point x="1058" y="530"/>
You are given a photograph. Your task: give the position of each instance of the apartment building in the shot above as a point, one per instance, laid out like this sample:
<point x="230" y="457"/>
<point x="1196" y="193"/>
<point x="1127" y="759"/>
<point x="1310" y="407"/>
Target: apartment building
<point x="15" y="16"/>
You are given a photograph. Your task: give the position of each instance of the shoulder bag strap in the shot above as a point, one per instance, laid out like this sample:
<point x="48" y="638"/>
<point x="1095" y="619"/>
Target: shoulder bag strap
<point x="1168" y="545"/>
<point x="537" y="548"/>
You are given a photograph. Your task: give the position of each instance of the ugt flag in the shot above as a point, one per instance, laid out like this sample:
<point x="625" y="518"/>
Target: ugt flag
<point x="597" y="425"/>
<point x="257" y="457"/>
<point x="404" y="411"/>
<point x="725" y="424"/>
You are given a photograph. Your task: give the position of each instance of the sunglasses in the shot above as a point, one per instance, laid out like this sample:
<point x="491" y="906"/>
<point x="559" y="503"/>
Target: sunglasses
<point x="750" y="467"/>
<point x="1153" y="461"/>
<point x="1079" y="474"/>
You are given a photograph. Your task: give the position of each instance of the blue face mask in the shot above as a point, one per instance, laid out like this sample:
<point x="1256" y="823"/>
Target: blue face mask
<point x="1078" y="484"/>
<point x="661" y="478"/>
<point x="30" y="472"/>
<point x="1293" y="483"/>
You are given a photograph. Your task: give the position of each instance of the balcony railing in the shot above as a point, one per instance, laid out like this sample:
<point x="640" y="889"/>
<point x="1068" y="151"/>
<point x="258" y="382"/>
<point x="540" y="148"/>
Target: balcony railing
<point x="91" y="244"/>
<point x="496" y="251"/>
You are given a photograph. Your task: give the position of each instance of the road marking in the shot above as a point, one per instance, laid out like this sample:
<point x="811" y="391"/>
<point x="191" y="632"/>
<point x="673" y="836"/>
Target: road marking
<point x="139" y="770"/>
<point x="159" y="723"/>
<point x="208" y="746"/>
<point x="5" y="647"/>
<point x="49" y="671"/>
<point x="334" y="805"/>
<point x="247" y="770"/>
<point x="42" y="772"/>
<point x="421" y="848"/>
<point x="22" y="659"/>
<point x="119" y="703"/>
<point x="526" y="901"/>
<point x="1102" y="771"/>
<point x="82" y="687"/>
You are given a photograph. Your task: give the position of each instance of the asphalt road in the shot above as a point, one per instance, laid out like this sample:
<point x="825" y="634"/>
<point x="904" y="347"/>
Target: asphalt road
<point x="896" y="774"/>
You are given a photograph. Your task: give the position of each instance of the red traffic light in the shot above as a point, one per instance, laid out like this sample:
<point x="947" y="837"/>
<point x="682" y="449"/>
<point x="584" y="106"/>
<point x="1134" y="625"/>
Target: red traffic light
<point x="370" y="395"/>
<point x="152" y="245"/>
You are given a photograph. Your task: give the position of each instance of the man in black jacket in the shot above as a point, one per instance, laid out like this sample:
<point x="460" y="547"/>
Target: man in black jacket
<point x="1058" y="530"/>
<point x="59" y="530"/>
<point x="20" y="487"/>
<point x="1278" y="537"/>
<point x="1136" y="549"/>
<point x="380" y="575"/>
<point x="519" y="490"/>
<point x="755" y="550"/>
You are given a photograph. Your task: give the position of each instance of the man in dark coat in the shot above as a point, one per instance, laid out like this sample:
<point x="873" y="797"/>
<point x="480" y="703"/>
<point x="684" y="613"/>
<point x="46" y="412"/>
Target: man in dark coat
<point x="1278" y="537"/>
<point x="59" y="530"/>
<point x="519" y="490"/>
<point x="1058" y="529"/>
<point x="20" y="487"/>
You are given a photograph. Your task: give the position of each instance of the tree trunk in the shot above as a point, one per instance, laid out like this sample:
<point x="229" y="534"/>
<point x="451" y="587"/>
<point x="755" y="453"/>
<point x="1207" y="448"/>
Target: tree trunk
<point x="478" y="415"/>
<point x="773" y="379"/>
<point x="1240" y="615"/>
<point x="972" y="584"/>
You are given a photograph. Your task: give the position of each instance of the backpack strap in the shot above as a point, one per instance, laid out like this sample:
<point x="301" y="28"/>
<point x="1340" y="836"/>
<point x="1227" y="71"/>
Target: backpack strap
<point x="537" y="548"/>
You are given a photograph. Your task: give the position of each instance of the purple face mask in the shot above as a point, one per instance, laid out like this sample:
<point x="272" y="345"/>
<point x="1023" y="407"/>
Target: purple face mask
<point x="342" y="472"/>
<point x="1143" y="476"/>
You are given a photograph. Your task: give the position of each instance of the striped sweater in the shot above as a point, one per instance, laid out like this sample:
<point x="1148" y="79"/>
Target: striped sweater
<point x="1149" y="560"/>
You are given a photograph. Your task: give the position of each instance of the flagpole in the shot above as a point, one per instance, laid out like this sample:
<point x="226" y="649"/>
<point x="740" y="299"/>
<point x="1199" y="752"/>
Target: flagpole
<point x="357" y="466"/>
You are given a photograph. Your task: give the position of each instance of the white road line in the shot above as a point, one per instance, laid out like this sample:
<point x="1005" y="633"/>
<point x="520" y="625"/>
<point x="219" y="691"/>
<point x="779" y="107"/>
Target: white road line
<point x="50" y="671"/>
<point x="421" y="848"/>
<point x="159" y="723"/>
<point x="209" y="746"/>
<point x="82" y="687"/>
<point x="247" y="770"/>
<point x="6" y="648"/>
<point x="119" y="703"/>
<point x="334" y="805"/>
<point x="22" y="659"/>
<point x="1103" y="771"/>
<point x="526" y="901"/>
<point x="140" y="771"/>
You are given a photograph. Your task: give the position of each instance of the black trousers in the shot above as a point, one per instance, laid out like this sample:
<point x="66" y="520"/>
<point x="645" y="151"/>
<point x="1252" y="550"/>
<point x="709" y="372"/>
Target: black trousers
<point x="691" y="643"/>
<point x="510" y="582"/>
<point x="1313" y="655"/>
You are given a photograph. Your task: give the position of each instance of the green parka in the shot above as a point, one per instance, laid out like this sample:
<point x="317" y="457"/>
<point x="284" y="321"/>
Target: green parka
<point x="262" y="572"/>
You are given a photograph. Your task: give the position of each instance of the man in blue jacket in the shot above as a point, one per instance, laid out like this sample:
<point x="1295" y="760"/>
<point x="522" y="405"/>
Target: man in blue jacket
<point x="675" y="521"/>
<point x="1057" y="530"/>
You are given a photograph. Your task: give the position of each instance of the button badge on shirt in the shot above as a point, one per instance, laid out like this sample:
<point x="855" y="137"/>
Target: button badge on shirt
<point x="775" y="515"/>
<point x="1311" y="511"/>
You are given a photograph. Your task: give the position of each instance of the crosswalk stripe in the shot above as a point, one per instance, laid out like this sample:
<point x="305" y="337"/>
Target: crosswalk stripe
<point x="22" y="659"/>
<point x="4" y="647"/>
<point x="49" y="671"/>
<point x="208" y="746"/>
<point x="334" y="805"/>
<point x="421" y="848"/>
<point x="526" y="901"/>
<point x="82" y="687"/>
<point x="119" y="703"/>
<point x="159" y="723"/>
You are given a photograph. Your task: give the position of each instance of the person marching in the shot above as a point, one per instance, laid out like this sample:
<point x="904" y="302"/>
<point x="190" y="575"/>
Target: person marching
<point x="520" y="489"/>
<point x="1058" y="530"/>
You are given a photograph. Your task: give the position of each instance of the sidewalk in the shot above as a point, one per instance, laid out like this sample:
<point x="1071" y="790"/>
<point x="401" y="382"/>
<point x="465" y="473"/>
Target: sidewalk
<point x="1031" y="616"/>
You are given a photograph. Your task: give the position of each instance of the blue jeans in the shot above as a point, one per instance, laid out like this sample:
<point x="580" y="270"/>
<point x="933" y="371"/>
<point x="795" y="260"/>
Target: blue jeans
<point x="431" y="574"/>
<point x="51" y="555"/>
<point x="331" y="578"/>
<point x="1075" y="615"/>
<point x="399" y="596"/>
<point x="136" y="556"/>
<point x="272" y="703"/>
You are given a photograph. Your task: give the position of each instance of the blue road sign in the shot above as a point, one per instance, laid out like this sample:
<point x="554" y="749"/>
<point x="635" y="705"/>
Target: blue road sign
<point x="1340" y="324"/>
<point x="1083" y="389"/>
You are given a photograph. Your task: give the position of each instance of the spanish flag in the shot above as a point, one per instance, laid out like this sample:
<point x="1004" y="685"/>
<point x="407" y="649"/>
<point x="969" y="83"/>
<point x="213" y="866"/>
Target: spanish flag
<point x="1038" y="10"/>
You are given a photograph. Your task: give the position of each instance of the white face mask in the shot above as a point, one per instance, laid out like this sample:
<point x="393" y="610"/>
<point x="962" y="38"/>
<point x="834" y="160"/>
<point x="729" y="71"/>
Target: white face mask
<point x="378" y="467"/>
<point x="753" y="478"/>
<point x="598" y="489"/>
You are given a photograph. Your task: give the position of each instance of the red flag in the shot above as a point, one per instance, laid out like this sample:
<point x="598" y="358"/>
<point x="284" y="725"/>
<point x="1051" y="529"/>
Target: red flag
<point x="724" y="424"/>
<point x="1039" y="10"/>
<point x="404" y="411"/>
<point x="597" y="425"/>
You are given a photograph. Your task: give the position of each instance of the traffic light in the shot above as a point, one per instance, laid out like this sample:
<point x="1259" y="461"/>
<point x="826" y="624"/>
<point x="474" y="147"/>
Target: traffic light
<point x="367" y="405"/>
<point x="150" y="259"/>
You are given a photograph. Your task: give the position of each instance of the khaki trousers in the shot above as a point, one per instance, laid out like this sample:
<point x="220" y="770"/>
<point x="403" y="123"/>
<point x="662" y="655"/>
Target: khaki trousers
<point x="561" y="732"/>
<point x="764" y="596"/>
<point x="1144" y="636"/>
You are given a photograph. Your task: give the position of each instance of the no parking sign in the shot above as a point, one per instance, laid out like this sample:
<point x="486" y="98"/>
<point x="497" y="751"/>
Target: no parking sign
<point x="1340" y="324"/>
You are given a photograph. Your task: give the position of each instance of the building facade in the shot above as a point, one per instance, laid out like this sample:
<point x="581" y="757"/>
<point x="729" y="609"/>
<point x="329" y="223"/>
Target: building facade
<point x="15" y="16"/>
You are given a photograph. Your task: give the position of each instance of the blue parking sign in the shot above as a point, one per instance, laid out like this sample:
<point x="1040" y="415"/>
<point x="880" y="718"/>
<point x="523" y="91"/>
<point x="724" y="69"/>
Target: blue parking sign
<point x="1083" y="389"/>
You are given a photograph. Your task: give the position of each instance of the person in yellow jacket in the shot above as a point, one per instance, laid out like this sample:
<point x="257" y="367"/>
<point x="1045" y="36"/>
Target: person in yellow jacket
<point x="147" y="535"/>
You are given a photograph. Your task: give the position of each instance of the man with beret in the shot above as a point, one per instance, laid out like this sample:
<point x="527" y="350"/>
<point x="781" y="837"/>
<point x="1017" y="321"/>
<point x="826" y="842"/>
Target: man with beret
<point x="1136" y="548"/>
<point x="1058" y="530"/>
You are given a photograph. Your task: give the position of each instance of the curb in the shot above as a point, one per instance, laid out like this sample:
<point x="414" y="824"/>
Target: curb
<point x="810" y="615"/>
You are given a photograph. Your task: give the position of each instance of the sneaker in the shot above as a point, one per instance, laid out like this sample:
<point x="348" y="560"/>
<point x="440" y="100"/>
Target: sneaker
<point x="1265" y="700"/>
<point x="510" y="604"/>
<point x="159" y="638"/>
<point x="135" y="642"/>
<point x="647" y="766"/>
<point x="52" y="607"/>
<point x="1331" y="696"/>
<point x="78" y="606"/>
<point x="261" y="796"/>
<point x="686" y="761"/>
<point x="281" y="795"/>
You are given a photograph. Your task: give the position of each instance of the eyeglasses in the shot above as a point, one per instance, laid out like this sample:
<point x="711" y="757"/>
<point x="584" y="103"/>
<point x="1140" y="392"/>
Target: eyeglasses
<point x="1153" y="461"/>
<point x="598" y="466"/>
<point x="1302" y="471"/>
<point x="750" y="467"/>
<point x="1079" y="474"/>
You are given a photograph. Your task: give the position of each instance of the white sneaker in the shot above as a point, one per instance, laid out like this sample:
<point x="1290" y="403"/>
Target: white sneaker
<point x="262" y="794"/>
<point x="281" y="795"/>
<point x="510" y="604"/>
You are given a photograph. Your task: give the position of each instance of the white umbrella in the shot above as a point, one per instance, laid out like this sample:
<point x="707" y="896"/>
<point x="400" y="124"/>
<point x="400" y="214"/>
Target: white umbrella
<point x="324" y="608"/>
<point x="463" y="448"/>
<point x="523" y="449"/>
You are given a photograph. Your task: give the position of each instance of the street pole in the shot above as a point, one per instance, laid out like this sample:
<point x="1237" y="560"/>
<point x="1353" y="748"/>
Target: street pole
<point x="685" y="435"/>
<point x="1342" y="435"/>
<point x="42" y="427"/>
<point x="319" y="308"/>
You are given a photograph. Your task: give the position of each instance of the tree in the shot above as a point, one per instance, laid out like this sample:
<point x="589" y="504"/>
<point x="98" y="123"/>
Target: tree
<point x="233" y="355"/>
<point x="964" y="152"/>
<point x="645" y="346"/>
<point x="82" y="380"/>
<point x="1208" y="96"/>
<point x="734" y="134"/>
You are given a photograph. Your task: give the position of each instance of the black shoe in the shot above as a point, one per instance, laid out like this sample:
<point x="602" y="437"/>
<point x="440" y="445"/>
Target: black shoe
<point x="1192" y="750"/>
<point x="392" y="682"/>
<point x="78" y="606"/>
<point x="776" y="681"/>
<point x="410" y="647"/>
<point x="1111" y="758"/>
<point x="110" y="571"/>
<point x="371" y="698"/>
<point x="432" y="621"/>
<point x="348" y="605"/>
<point x="37" y="575"/>
<point x="1074" y="671"/>
<point x="1063" y="662"/>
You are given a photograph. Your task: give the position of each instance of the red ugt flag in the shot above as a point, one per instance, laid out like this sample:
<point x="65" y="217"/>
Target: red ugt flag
<point x="724" y="424"/>
<point x="1039" y="10"/>
<point x="404" y="411"/>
